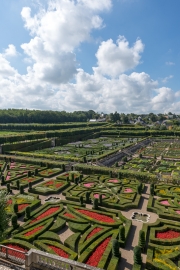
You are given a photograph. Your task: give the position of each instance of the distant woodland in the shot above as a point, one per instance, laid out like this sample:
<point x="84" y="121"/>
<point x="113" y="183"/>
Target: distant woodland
<point x="44" y="117"/>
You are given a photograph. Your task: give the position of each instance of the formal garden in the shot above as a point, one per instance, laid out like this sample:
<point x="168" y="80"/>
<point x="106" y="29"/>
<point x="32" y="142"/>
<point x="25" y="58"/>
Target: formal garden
<point x="62" y="201"/>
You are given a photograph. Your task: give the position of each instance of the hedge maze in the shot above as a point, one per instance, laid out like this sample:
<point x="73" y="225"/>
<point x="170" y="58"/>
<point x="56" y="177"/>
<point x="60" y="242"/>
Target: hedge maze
<point x="63" y="201"/>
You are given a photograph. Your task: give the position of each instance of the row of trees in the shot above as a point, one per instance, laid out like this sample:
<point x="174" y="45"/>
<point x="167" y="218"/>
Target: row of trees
<point x="37" y="116"/>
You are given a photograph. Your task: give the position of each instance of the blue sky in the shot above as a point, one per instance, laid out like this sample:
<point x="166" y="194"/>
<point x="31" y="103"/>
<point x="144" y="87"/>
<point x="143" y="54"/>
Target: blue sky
<point x="121" y="55"/>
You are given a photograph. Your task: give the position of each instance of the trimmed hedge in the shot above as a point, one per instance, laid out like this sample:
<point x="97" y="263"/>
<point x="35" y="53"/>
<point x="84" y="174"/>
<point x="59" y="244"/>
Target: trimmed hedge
<point x="72" y="240"/>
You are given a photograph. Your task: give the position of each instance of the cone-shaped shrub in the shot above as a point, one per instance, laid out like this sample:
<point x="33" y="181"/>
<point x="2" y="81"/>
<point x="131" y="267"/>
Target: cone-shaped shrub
<point x="137" y="255"/>
<point x="110" y="173"/>
<point x="81" y="200"/>
<point x="63" y="167"/>
<point x="28" y="212"/>
<point x="122" y="233"/>
<point x="87" y="197"/>
<point x="142" y="240"/>
<point x="17" y="183"/>
<point x="100" y="199"/>
<point x="95" y="203"/>
<point x="8" y="188"/>
<point x="36" y="172"/>
<point x="7" y="166"/>
<point x="2" y="180"/>
<point x="152" y="191"/>
<point x="29" y="174"/>
<point x="115" y="248"/>
<point x="14" y="221"/>
<point x="15" y="207"/>
<point x="72" y="177"/>
<point x="30" y="185"/>
<point x="21" y="190"/>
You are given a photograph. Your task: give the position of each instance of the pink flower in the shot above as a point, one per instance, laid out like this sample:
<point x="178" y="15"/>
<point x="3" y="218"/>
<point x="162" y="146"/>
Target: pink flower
<point x="128" y="190"/>
<point x="89" y="185"/>
<point x="113" y="181"/>
<point x="165" y="202"/>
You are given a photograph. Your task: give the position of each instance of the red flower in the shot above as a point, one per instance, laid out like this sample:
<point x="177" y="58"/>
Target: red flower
<point x="33" y="231"/>
<point x="59" y="251"/>
<point x="9" y="201"/>
<point x="49" y="183"/>
<point x="94" y="231"/>
<point x="46" y="213"/>
<point x="96" y="216"/>
<point x="170" y="234"/>
<point x="58" y="185"/>
<point x="69" y="215"/>
<point x="95" y="257"/>
<point x="15" y="253"/>
<point x="22" y="206"/>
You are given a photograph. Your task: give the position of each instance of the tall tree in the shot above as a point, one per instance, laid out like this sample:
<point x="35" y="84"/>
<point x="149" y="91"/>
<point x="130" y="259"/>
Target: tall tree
<point x="4" y="218"/>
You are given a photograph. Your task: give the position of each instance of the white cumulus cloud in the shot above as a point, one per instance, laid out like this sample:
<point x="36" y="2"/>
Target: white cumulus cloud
<point x="114" y="59"/>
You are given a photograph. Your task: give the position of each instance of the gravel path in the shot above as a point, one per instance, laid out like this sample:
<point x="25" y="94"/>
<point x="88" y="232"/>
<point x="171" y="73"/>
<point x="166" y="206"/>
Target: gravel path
<point x="132" y="241"/>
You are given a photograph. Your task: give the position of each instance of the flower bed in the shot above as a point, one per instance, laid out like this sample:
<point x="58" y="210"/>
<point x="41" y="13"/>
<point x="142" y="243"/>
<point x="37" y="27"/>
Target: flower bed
<point x="128" y="190"/>
<point x="33" y="231"/>
<point x="69" y="215"/>
<point x="169" y="234"/>
<point x="96" y="195"/>
<point x="113" y="181"/>
<point x="88" y="185"/>
<point x="15" y="253"/>
<point x="47" y="213"/>
<point x="96" y="255"/>
<point x="59" y="251"/>
<point x="165" y="203"/>
<point x="93" y="232"/>
<point x="96" y="216"/>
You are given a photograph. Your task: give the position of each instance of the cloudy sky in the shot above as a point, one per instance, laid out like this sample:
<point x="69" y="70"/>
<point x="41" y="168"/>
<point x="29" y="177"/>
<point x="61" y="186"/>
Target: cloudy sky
<point x="104" y="55"/>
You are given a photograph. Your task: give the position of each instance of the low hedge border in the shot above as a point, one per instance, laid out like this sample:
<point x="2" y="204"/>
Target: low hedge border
<point x="93" y="221"/>
<point x="41" y="210"/>
<point x="43" y="245"/>
<point x="58" y="225"/>
<point x="19" y="242"/>
<point x="50" y="236"/>
<point x="72" y="241"/>
<point x="77" y="219"/>
<point x="83" y="243"/>
<point x="77" y="227"/>
<point x="47" y="224"/>
<point x="103" y="262"/>
<point x="38" y="179"/>
<point x="48" y="192"/>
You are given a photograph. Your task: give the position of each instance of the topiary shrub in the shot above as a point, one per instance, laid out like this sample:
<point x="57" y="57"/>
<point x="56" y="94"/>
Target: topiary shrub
<point x="29" y="174"/>
<point x="100" y="199"/>
<point x="110" y="173"/>
<point x="7" y="166"/>
<point x="30" y="185"/>
<point x="21" y="190"/>
<point x="36" y="172"/>
<point x="14" y="221"/>
<point x="87" y="197"/>
<point x="8" y="188"/>
<point x="2" y="180"/>
<point x="95" y="204"/>
<point x="28" y="212"/>
<point x="142" y="240"/>
<point x="137" y="255"/>
<point x="81" y="200"/>
<point x="115" y="248"/>
<point x="15" y="207"/>
<point x="152" y="191"/>
<point x="17" y="184"/>
<point x="122" y="233"/>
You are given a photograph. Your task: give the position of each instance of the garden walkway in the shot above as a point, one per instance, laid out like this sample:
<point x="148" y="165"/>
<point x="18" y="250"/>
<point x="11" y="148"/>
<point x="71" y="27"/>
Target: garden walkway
<point x="132" y="241"/>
